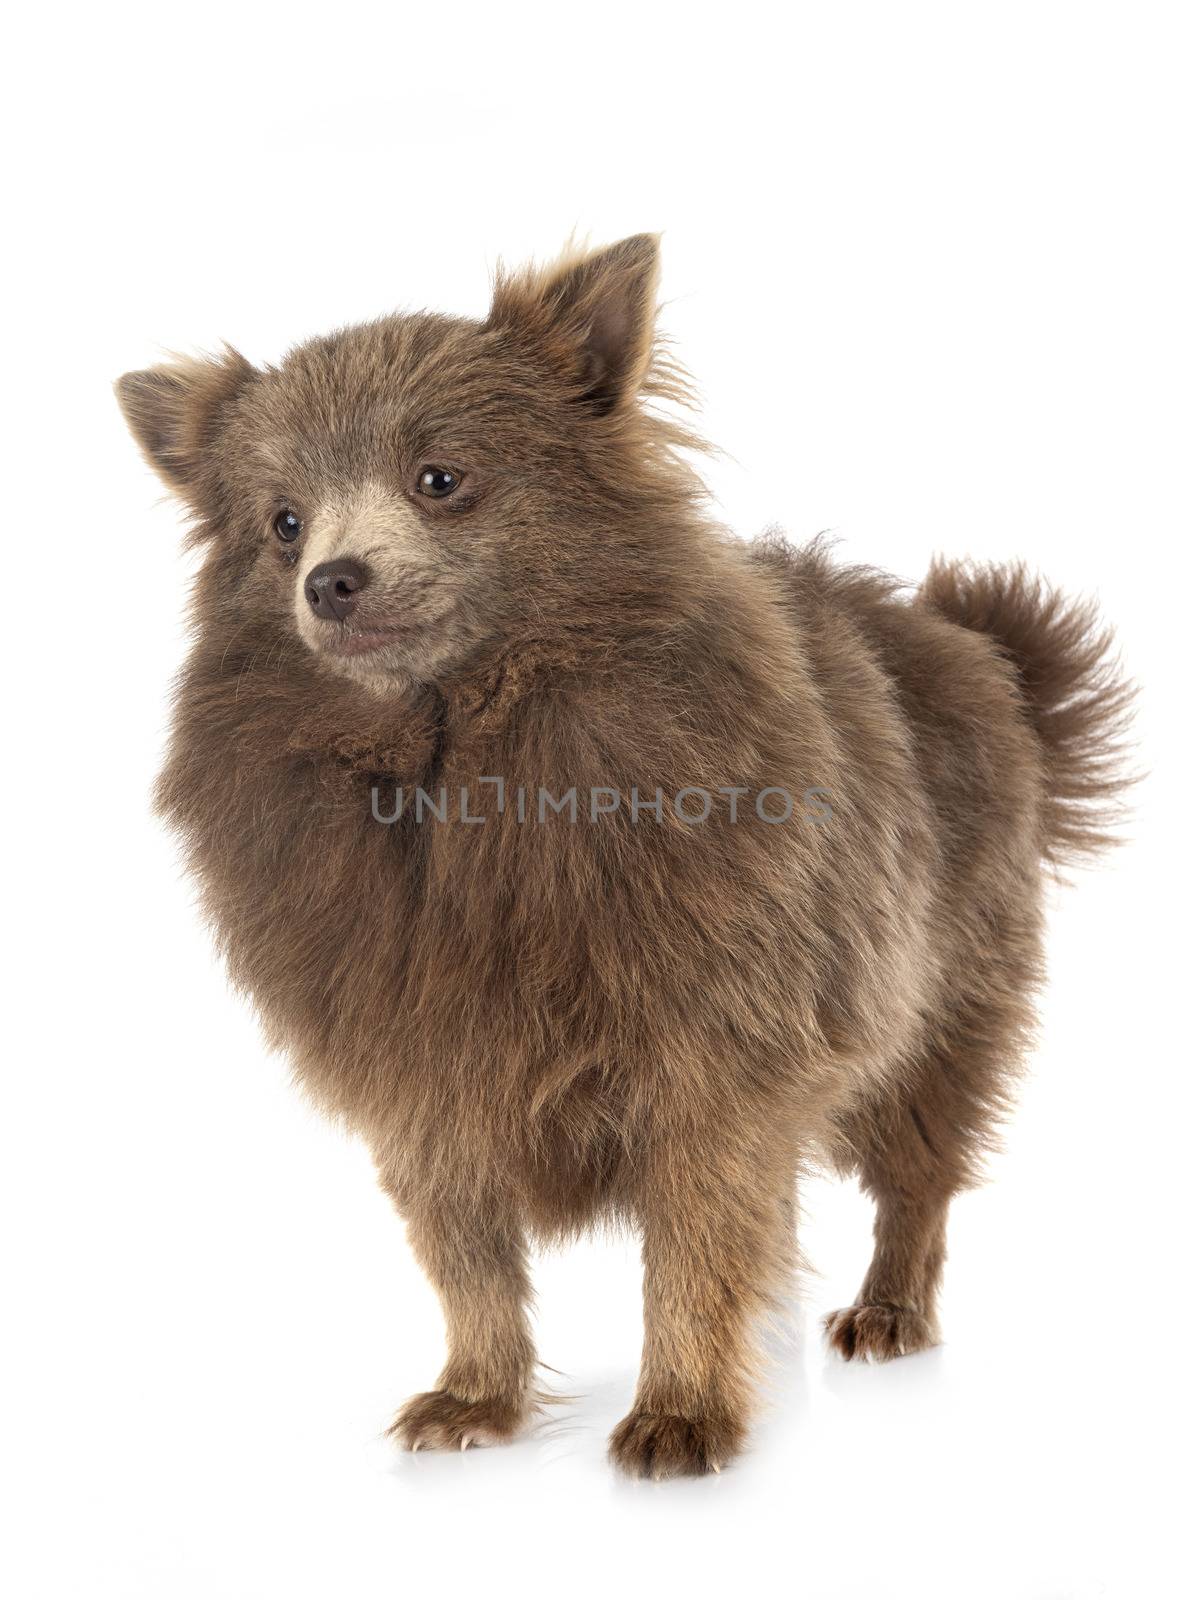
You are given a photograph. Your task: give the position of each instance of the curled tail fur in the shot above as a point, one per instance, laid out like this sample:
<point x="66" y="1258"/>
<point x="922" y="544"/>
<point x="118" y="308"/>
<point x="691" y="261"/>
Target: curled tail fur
<point x="1078" y="699"/>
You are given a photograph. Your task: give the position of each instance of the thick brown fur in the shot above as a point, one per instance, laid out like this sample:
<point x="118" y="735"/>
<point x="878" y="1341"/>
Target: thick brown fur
<point x="540" y="1026"/>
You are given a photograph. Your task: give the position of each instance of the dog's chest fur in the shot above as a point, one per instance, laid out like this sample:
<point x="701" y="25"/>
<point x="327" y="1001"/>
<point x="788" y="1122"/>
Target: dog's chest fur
<point x="528" y="992"/>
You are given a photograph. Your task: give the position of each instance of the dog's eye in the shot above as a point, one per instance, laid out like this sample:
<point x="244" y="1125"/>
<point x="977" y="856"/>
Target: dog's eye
<point x="437" y="482"/>
<point x="287" y="526"/>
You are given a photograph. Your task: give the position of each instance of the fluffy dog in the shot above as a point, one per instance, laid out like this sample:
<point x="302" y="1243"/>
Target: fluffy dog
<point x="594" y="865"/>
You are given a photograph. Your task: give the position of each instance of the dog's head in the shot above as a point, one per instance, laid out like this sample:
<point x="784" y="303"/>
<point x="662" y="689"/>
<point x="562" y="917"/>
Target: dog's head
<point x="403" y="492"/>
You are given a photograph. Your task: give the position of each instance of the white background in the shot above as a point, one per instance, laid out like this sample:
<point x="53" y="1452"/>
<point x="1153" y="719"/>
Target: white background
<point x="933" y="268"/>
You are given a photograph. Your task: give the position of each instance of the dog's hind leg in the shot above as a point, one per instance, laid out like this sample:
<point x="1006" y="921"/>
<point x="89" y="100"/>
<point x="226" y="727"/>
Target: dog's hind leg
<point x="913" y="1153"/>
<point x="895" y="1311"/>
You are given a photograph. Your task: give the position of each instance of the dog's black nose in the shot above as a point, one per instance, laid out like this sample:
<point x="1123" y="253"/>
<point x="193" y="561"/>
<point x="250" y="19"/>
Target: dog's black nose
<point x="332" y="588"/>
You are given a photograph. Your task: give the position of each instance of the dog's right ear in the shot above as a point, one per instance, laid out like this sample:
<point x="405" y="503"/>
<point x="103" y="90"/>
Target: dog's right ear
<point x="175" y="413"/>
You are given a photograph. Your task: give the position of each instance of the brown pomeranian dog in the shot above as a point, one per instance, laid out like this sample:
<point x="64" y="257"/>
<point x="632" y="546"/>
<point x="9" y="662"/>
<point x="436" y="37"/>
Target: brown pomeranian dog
<point x="592" y="864"/>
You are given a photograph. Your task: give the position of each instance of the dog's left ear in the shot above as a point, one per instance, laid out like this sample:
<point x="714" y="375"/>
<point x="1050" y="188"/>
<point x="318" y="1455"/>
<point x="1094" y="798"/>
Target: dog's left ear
<point x="593" y="313"/>
<point x="175" y="413"/>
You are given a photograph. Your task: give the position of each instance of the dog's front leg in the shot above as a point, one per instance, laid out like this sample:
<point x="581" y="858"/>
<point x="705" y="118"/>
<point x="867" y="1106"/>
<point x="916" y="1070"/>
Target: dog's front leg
<point x="717" y="1246"/>
<point x="476" y="1258"/>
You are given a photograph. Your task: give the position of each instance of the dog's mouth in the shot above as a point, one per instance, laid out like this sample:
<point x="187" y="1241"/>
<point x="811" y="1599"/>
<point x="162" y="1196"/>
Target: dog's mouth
<point x="365" y="641"/>
<point x="378" y="637"/>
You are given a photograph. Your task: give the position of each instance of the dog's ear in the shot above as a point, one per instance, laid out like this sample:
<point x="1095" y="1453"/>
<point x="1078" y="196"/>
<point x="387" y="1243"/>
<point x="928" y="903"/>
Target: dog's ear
<point x="175" y="412"/>
<point x="593" y="312"/>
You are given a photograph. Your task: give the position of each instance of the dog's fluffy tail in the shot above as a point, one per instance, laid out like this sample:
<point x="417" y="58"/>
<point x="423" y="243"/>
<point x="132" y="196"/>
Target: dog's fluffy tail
<point x="1078" y="699"/>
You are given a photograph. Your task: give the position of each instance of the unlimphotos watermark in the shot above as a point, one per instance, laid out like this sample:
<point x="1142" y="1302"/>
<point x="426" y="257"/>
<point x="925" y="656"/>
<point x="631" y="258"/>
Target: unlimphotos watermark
<point x="691" y="805"/>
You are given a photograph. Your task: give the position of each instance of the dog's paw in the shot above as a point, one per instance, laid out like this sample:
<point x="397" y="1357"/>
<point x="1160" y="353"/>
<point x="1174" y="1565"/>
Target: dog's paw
<point x="440" y="1420"/>
<point x="648" y="1444"/>
<point x="879" y="1333"/>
